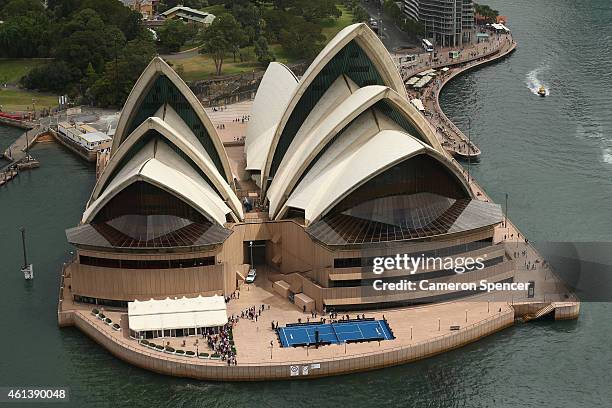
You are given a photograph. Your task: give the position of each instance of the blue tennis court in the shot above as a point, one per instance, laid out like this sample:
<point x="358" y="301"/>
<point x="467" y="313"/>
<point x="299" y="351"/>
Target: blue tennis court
<point x="333" y="333"/>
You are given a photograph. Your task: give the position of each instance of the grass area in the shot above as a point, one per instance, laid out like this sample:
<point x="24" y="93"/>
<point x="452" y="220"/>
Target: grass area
<point x="11" y="70"/>
<point x="332" y="26"/>
<point x="13" y="100"/>
<point x="202" y="67"/>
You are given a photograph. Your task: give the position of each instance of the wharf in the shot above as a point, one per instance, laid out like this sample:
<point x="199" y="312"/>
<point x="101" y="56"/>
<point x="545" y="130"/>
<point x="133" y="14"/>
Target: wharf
<point x="452" y="138"/>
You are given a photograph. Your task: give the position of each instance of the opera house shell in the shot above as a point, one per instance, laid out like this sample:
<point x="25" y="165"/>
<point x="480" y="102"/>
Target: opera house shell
<point x="338" y="168"/>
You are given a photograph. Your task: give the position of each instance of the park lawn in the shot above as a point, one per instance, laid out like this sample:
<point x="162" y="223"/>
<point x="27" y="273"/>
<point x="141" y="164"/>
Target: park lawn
<point x="202" y="67"/>
<point x="331" y="26"/>
<point x="12" y="69"/>
<point x="15" y="100"/>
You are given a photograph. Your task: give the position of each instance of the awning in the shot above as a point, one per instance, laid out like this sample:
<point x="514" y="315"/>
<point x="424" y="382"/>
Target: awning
<point x="182" y="313"/>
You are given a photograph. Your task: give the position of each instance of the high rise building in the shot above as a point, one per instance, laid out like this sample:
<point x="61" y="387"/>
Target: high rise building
<point x="446" y="22"/>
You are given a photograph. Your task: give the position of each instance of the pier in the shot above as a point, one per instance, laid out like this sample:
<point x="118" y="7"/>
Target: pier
<point x="16" y="156"/>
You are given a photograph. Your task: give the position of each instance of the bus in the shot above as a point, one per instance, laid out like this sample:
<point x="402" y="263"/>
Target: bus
<point x="427" y="45"/>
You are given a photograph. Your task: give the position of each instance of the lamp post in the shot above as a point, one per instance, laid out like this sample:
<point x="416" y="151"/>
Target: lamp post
<point x="506" y="213"/>
<point x="251" y="246"/>
<point x="469" y="147"/>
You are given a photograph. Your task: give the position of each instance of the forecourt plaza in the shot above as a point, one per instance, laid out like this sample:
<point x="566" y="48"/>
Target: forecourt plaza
<point x="337" y="168"/>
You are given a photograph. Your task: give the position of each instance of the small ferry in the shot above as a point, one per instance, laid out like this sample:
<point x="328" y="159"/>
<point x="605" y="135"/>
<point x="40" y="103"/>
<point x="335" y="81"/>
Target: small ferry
<point x="542" y="91"/>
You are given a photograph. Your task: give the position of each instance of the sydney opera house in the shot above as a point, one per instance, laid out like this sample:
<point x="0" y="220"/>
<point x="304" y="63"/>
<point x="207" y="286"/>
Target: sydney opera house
<point x="338" y="167"/>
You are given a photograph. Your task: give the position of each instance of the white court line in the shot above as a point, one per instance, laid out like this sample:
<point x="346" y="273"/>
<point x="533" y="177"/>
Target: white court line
<point x="360" y="332"/>
<point x="381" y="328"/>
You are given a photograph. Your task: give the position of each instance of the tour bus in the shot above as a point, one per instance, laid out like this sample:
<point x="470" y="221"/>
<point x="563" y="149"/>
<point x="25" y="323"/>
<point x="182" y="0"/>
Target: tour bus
<point x="427" y="45"/>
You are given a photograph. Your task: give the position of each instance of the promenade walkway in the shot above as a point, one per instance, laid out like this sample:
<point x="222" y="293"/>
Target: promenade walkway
<point x="451" y="137"/>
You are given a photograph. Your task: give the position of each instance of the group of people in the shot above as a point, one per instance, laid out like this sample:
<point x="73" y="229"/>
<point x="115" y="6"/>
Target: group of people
<point x="253" y="313"/>
<point x="234" y="295"/>
<point x="220" y="343"/>
<point x="244" y="118"/>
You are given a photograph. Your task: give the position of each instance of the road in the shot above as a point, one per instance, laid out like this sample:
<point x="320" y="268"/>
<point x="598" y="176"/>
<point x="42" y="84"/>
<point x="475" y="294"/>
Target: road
<point x="193" y="52"/>
<point x="393" y="37"/>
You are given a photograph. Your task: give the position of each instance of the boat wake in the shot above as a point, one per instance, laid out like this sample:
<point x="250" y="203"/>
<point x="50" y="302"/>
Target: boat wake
<point x="534" y="83"/>
<point x="607" y="155"/>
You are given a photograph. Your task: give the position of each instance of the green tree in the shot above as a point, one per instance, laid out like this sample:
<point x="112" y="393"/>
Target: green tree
<point x="315" y="10"/>
<point x="118" y="78"/>
<point x="392" y="10"/>
<point x="224" y="35"/>
<point x="16" y="8"/>
<point x="262" y="51"/>
<point x="360" y="15"/>
<point x="57" y="76"/>
<point x="172" y="35"/>
<point x="302" y="39"/>
<point x="25" y="36"/>
<point x="487" y="12"/>
<point x="87" y="39"/>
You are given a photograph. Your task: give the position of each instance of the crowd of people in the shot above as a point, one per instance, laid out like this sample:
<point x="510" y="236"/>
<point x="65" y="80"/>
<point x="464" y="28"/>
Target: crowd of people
<point x="253" y="312"/>
<point x="219" y="342"/>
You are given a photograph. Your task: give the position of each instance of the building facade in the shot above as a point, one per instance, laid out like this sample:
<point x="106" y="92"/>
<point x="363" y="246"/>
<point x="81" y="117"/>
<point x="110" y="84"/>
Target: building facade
<point x="343" y="169"/>
<point x="449" y="23"/>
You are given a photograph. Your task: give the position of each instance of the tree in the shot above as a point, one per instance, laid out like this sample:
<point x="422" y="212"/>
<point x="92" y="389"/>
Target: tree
<point x="360" y="15"/>
<point x="56" y="76"/>
<point x="113" y="87"/>
<point x="315" y="10"/>
<point x="172" y="35"/>
<point x="486" y="12"/>
<point x="263" y="53"/>
<point x="25" y="36"/>
<point x="392" y="10"/>
<point x="17" y="8"/>
<point x="224" y="35"/>
<point x="87" y="39"/>
<point x="303" y="39"/>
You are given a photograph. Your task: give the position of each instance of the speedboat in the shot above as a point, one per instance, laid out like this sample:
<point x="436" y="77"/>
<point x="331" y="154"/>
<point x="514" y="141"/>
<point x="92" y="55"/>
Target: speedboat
<point x="542" y="91"/>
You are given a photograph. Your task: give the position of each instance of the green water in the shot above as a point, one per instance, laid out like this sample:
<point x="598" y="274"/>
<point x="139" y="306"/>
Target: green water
<point x="551" y="155"/>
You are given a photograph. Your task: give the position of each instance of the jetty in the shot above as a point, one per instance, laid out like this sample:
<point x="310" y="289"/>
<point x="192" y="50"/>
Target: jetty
<point x="16" y="156"/>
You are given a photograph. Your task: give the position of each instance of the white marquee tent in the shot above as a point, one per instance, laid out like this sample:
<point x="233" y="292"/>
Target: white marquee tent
<point x="184" y="313"/>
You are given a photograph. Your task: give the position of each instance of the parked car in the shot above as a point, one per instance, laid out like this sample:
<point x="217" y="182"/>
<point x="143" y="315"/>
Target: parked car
<point x="251" y="276"/>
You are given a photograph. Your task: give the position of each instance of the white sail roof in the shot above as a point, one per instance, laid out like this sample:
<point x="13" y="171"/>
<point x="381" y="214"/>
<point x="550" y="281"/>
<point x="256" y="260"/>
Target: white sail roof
<point x="169" y="124"/>
<point x="159" y="165"/>
<point x="273" y="95"/>
<point x="369" y="42"/>
<point x="349" y="171"/>
<point x="158" y="67"/>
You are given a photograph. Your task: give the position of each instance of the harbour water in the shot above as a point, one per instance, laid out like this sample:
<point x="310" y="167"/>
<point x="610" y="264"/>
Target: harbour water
<point x="553" y="156"/>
